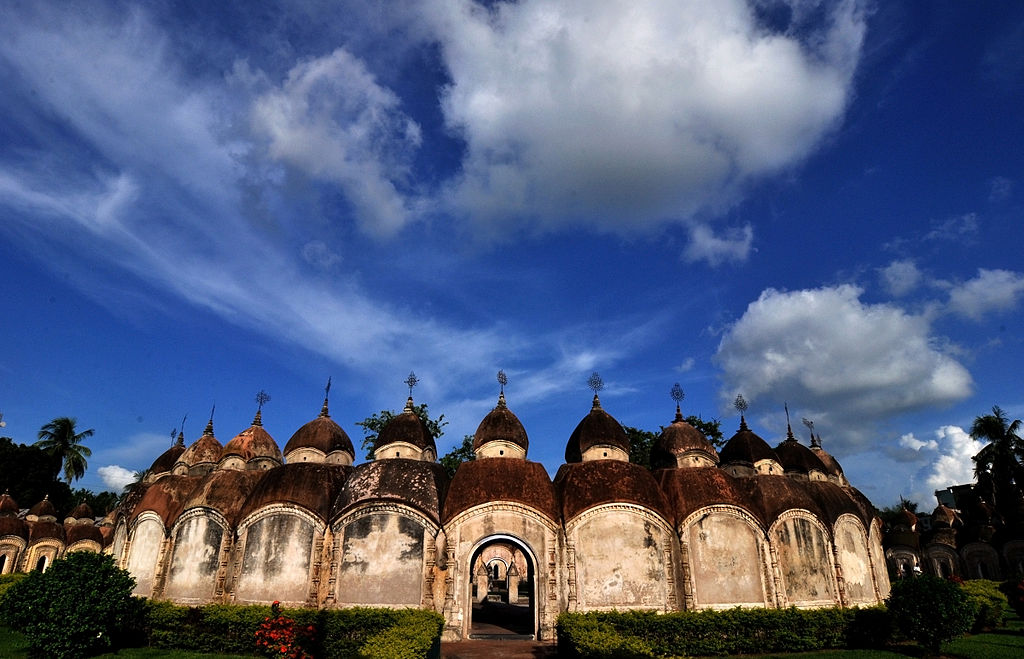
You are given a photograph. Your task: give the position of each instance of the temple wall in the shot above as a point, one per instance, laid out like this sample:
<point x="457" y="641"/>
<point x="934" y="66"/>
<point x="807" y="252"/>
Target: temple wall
<point x="381" y="562"/>
<point x="620" y="559"/>
<point x="853" y="557"/>
<point x="727" y="560"/>
<point x="144" y="553"/>
<point x="276" y="560"/>
<point x="195" y="560"/>
<point x="805" y="562"/>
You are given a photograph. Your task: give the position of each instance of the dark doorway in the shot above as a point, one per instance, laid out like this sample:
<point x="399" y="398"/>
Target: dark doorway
<point x="502" y="592"/>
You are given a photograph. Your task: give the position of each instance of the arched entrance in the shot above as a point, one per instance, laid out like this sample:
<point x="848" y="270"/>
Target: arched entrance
<point x="502" y="590"/>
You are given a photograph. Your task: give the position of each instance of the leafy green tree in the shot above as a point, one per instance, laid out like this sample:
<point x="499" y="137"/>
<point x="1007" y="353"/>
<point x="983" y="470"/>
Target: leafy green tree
<point x="27" y="473"/>
<point x="929" y="610"/>
<point x="65" y="446"/>
<point x="101" y="503"/>
<point x="998" y="466"/>
<point x="641" y="441"/>
<point x="82" y="605"/>
<point x="462" y="453"/>
<point x="372" y="425"/>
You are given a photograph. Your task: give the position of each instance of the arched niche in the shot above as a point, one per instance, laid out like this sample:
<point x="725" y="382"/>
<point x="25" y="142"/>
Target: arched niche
<point x="622" y="557"/>
<point x="277" y="554"/>
<point x="198" y="536"/>
<point x="879" y="567"/>
<point x="727" y="558"/>
<point x="805" y="560"/>
<point x="851" y="545"/>
<point x="380" y="556"/>
<point x="147" y="537"/>
<point x="505" y="599"/>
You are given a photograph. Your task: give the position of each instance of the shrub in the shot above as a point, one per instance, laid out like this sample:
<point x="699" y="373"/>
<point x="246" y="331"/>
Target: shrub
<point x="1014" y="591"/>
<point x="279" y="636"/>
<point x="8" y="580"/>
<point x="78" y="607"/>
<point x="990" y="605"/>
<point x="929" y="610"/>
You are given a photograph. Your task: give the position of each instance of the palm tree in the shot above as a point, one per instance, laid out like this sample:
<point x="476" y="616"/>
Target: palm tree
<point x="999" y="467"/>
<point x="59" y="439"/>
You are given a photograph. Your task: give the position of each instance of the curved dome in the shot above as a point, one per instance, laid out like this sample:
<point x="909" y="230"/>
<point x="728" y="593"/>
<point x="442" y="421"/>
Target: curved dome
<point x="406" y="428"/>
<point x="224" y="490"/>
<point x="42" y="510"/>
<point x="252" y="443"/>
<point x="678" y="439"/>
<point x="585" y="485"/>
<point x="487" y="480"/>
<point x="79" y="532"/>
<point x="8" y="506"/>
<point x="13" y="526"/>
<point x="746" y="448"/>
<point x="321" y="434"/>
<point x="831" y="464"/>
<point x="501" y="425"/>
<point x="795" y="457"/>
<point x="81" y="511"/>
<point x="312" y="486"/>
<point x="943" y="517"/>
<point x="596" y="429"/>
<point x="421" y="485"/>
<point x="168" y="458"/>
<point x="44" y="531"/>
<point x="689" y="490"/>
<point x="165" y="498"/>
<point x="206" y="449"/>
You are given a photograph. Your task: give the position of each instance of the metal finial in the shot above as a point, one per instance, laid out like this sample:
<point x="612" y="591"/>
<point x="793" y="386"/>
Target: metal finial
<point x="411" y="382"/>
<point x="261" y="398"/>
<point x="740" y="404"/>
<point x="677" y="393"/>
<point x="595" y="382"/>
<point x="502" y="380"/>
<point x="789" y="429"/>
<point x="810" y="426"/>
<point x="327" y="392"/>
<point x="209" y="424"/>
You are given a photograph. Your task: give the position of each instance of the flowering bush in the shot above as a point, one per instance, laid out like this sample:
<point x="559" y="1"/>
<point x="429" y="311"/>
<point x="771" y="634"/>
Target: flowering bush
<point x="279" y="636"/>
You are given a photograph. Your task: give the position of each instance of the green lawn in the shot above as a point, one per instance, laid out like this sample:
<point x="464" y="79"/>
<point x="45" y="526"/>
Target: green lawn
<point x="14" y="646"/>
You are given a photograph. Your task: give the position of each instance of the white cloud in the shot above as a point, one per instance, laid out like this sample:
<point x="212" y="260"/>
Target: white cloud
<point x="624" y="115"/>
<point x="900" y="277"/>
<point x="915" y="444"/>
<point x="954" y="229"/>
<point x="319" y="255"/>
<point x="686" y="366"/>
<point x="1000" y="188"/>
<point x="991" y="290"/>
<point x="844" y="363"/>
<point x="116" y="477"/>
<point x="331" y="119"/>
<point x="706" y="246"/>
<point x="953" y="466"/>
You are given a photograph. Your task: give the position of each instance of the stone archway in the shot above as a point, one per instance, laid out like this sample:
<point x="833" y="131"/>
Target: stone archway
<point x="502" y="590"/>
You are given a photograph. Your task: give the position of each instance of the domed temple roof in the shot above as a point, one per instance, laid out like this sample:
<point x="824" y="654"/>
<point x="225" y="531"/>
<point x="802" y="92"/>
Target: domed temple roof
<point x="677" y="439"/>
<point x="420" y="485"/>
<point x="165" y="497"/>
<point x="8" y="506"/>
<point x="584" y="485"/>
<point x="13" y="526"/>
<point x="407" y="427"/>
<point x="322" y="434"/>
<point x="487" y="480"/>
<point x="746" y="448"/>
<point x="253" y="442"/>
<point x="598" y="428"/>
<point x="689" y="490"/>
<point x="500" y="424"/>
<point x="45" y="530"/>
<point x="205" y="449"/>
<point x="313" y="486"/>
<point x="43" y="511"/>
<point x="169" y="458"/>
<point x="79" y="532"/>
<point x="794" y="456"/>
<point x="223" y="490"/>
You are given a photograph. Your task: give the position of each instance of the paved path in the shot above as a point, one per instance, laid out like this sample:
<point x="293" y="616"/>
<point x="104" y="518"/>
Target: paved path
<point x="498" y="649"/>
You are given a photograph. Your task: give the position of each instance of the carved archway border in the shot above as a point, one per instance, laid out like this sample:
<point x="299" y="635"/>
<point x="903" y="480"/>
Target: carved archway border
<point x="466" y="580"/>
<point x="50" y="547"/>
<point x="847" y="519"/>
<point x="803" y="513"/>
<point x="769" y="585"/>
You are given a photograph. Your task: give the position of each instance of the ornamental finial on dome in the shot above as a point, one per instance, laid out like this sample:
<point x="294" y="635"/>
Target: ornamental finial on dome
<point x="410" y="382"/>
<point x="597" y="384"/>
<point x="327" y="391"/>
<point x="789" y="429"/>
<point x="261" y="398"/>
<point x="810" y="426"/>
<point x="502" y="381"/>
<point x="741" y="406"/>
<point x="677" y="395"/>
<point x="815" y="441"/>
<point x="209" y="424"/>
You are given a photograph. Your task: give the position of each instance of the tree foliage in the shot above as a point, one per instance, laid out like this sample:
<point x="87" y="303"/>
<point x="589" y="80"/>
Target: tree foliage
<point x="27" y="473"/>
<point x="999" y="466"/>
<point x="641" y="441"/>
<point x="372" y="425"/>
<point x="66" y="447"/>
<point x="929" y="610"/>
<point x="462" y="453"/>
<point x="81" y="605"/>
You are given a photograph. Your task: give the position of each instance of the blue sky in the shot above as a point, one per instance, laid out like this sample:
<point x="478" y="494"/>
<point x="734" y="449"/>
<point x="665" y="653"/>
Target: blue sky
<point x="817" y="204"/>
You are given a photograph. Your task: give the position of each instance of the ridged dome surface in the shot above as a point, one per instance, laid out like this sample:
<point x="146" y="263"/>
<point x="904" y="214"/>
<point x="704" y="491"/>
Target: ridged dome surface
<point x="500" y="424"/>
<point x="205" y="449"/>
<point x="322" y="434"/>
<point x="13" y="526"/>
<point x="43" y="509"/>
<point x="167" y="459"/>
<point x="8" y="506"/>
<point x="487" y="480"/>
<point x="745" y="447"/>
<point x="598" y="428"/>
<point x="407" y="427"/>
<point x="81" y="511"/>
<point x="253" y="442"/>
<point x="794" y="456"/>
<point x="678" y="438"/>
<point x="79" y="532"/>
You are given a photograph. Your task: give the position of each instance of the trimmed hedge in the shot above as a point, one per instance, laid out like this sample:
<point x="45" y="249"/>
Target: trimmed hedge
<point x="989" y="602"/>
<point x="631" y="634"/>
<point x="8" y="580"/>
<point x="340" y="633"/>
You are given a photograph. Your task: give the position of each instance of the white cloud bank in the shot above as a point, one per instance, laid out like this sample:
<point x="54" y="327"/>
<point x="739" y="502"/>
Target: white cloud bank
<point x="843" y="363"/>
<point x="116" y="477"/>
<point x="991" y="290"/>
<point x="622" y="115"/>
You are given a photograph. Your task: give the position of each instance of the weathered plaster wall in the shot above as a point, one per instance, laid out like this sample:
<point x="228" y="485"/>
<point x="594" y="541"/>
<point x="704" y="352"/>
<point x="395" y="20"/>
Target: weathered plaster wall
<point x="726" y="561"/>
<point x="620" y="560"/>
<point x="276" y="560"/>
<point x="852" y="554"/>
<point x="804" y="562"/>
<point x="194" y="560"/>
<point x="381" y="561"/>
<point x="144" y="554"/>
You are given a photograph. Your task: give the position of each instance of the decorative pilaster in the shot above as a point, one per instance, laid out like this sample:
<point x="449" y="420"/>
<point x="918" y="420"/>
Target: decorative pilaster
<point x="570" y="560"/>
<point x="670" y="578"/>
<point x="689" y="602"/>
<point x="781" y="601"/>
<point x="313" y="597"/>
<point x="163" y="567"/>
<point x="226" y="547"/>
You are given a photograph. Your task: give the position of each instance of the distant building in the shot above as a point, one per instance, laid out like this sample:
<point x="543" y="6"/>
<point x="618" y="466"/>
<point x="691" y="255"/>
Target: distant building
<point x="245" y="522"/>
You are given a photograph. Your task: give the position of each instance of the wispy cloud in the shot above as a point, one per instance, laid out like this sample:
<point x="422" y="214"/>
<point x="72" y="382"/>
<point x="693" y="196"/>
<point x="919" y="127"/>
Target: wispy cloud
<point x="990" y="291"/>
